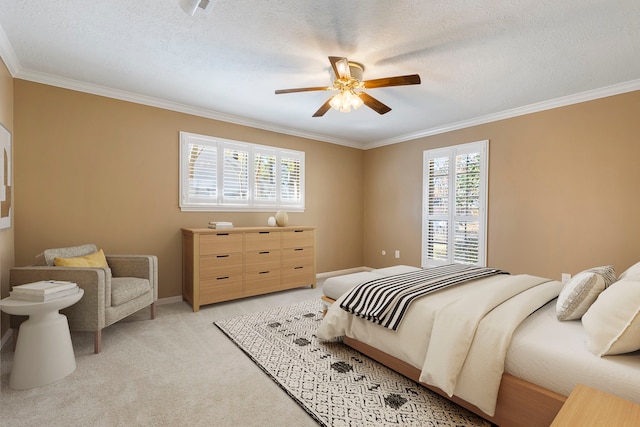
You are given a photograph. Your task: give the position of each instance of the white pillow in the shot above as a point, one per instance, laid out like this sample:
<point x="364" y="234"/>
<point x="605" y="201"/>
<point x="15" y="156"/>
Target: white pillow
<point x="632" y="272"/>
<point x="612" y="323"/>
<point x="581" y="291"/>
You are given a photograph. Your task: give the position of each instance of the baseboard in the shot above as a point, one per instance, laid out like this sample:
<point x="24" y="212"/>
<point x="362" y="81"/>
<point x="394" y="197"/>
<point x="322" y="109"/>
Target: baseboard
<point x="169" y="300"/>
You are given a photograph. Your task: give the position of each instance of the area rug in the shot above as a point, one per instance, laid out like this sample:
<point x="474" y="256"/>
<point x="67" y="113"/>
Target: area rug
<point x="335" y="384"/>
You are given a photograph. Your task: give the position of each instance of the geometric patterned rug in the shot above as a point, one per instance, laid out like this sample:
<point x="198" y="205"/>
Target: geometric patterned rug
<point x="335" y="384"/>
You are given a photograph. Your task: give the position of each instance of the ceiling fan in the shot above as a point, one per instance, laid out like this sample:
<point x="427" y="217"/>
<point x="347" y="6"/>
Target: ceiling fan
<point x="348" y="80"/>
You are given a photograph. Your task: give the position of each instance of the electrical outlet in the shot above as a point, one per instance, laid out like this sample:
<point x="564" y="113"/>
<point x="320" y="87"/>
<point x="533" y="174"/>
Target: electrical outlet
<point x="397" y="253"/>
<point x="565" y="277"/>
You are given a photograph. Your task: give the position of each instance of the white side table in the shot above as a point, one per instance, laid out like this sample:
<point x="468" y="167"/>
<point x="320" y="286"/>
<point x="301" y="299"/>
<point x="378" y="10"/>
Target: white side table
<point x="44" y="352"/>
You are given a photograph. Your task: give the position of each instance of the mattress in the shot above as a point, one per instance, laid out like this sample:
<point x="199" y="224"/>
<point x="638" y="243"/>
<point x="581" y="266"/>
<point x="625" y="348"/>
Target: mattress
<point x="552" y="354"/>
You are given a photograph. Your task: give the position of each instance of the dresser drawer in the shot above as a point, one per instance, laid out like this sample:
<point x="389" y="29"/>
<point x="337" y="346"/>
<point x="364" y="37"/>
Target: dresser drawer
<point x="297" y="238"/>
<point x="293" y="277"/>
<point x="221" y="288"/>
<point x="262" y="240"/>
<point x="262" y="281"/>
<point x="262" y="260"/>
<point x="220" y="243"/>
<point x="220" y="265"/>
<point x="295" y="257"/>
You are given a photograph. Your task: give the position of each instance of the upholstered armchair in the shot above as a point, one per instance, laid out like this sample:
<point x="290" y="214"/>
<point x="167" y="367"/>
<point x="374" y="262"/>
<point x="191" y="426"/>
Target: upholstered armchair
<point x="128" y="284"/>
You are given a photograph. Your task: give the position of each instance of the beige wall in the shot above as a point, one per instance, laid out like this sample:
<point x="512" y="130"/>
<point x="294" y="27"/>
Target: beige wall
<point x="94" y="169"/>
<point x="561" y="193"/>
<point x="6" y="235"/>
<point x="563" y="190"/>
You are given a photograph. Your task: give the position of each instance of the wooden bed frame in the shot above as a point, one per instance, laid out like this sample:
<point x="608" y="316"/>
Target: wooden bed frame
<point x="520" y="403"/>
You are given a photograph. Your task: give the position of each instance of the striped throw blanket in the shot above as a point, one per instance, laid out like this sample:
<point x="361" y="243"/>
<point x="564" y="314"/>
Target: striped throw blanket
<point x="385" y="301"/>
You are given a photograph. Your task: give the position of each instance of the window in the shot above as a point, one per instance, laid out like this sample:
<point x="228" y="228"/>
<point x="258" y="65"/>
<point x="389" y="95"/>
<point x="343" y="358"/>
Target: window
<point x="455" y="205"/>
<point x="222" y="175"/>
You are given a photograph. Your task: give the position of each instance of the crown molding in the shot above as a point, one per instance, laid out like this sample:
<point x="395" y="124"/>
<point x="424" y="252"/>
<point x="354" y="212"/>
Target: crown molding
<point x="7" y="54"/>
<point x="589" y="95"/>
<point x="48" y="79"/>
<point x="9" y="57"/>
<point x="122" y="95"/>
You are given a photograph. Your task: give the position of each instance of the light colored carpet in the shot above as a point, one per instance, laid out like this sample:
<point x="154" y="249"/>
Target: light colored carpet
<point x="176" y="370"/>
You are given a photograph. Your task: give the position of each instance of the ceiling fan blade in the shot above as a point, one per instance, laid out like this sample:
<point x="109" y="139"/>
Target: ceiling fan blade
<point x="325" y="107"/>
<point x="373" y="103"/>
<point x="411" y="79"/>
<point x="302" y="89"/>
<point x="340" y="67"/>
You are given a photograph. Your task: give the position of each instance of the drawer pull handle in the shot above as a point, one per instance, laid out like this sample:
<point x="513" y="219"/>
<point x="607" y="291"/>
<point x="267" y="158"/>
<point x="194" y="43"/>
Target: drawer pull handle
<point x="264" y="272"/>
<point x="263" y="252"/>
<point x="222" y="256"/>
<point x="298" y="231"/>
<point x="223" y="234"/>
<point x="222" y="278"/>
<point x="298" y="268"/>
<point x="299" y="249"/>
<point x="264" y="232"/>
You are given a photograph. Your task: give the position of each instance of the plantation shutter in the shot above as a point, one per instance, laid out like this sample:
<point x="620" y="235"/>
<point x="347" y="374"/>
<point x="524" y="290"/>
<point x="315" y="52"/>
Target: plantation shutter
<point x="467" y="201"/>
<point x="202" y="175"/>
<point x="291" y="179"/>
<point x="265" y="176"/>
<point x="455" y="205"/>
<point x="235" y="174"/>
<point x="224" y="175"/>
<point x="438" y="208"/>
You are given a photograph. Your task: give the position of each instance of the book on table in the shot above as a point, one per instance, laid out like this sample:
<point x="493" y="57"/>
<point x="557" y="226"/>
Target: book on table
<point x="45" y="290"/>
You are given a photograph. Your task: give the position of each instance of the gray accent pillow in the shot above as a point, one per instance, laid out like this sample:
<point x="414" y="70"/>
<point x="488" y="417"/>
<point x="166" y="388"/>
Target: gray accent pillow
<point x="581" y="291"/>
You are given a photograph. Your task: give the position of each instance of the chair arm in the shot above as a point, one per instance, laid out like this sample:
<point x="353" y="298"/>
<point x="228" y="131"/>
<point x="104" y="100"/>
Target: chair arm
<point x="88" y="313"/>
<point x="140" y="266"/>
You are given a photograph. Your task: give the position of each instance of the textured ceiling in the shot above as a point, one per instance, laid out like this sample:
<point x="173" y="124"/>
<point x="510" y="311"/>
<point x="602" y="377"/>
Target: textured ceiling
<point x="478" y="60"/>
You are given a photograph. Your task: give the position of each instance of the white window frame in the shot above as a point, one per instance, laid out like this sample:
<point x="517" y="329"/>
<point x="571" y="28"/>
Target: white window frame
<point x="451" y="152"/>
<point x="220" y="203"/>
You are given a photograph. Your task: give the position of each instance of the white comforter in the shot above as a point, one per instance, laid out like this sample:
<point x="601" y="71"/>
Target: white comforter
<point x="458" y="336"/>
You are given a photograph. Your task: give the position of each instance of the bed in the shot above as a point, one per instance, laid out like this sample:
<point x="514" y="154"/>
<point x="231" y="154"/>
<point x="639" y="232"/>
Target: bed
<point x="521" y="375"/>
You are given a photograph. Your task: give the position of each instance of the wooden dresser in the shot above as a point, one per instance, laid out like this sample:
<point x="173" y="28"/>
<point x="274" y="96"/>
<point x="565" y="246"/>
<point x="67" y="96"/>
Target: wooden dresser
<point x="222" y="265"/>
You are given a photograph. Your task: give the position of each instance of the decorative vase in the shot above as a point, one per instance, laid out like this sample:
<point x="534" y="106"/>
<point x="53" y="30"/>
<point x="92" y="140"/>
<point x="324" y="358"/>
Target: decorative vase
<point x="271" y="221"/>
<point x="282" y="218"/>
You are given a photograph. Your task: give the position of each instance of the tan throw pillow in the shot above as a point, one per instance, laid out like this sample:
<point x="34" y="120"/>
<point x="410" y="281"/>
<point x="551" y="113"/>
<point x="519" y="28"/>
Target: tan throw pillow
<point x="581" y="291"/>
<point x="612" y="323"/>
<point x="96" y="259"/>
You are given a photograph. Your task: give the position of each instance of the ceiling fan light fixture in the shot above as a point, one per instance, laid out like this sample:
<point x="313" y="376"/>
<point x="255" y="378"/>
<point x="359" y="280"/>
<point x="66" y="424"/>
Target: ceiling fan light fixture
<point x="343" y="67"/>
<point x="347" y="81"/>
<point x="345" y="101"/>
